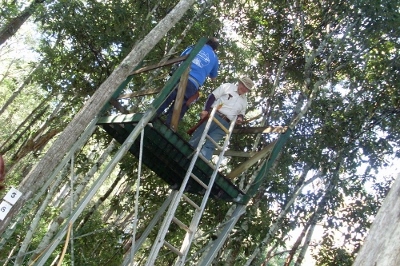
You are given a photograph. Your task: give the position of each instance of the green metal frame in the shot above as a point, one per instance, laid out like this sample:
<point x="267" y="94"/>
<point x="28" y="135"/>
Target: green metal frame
<point x="169" y="155"/>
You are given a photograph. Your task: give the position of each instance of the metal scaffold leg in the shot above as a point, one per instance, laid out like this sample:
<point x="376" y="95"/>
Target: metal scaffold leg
<point x="96" y="185"/>
<point x="216" y="245"/>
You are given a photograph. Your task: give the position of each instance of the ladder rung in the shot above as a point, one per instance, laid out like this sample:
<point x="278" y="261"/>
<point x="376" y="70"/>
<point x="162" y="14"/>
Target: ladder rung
<point x="221" y="125"/>
<point x="206" y="161"/>
<point x="199" y="181"/>
<point x="180" y="224"/>
<point x="215" y="144"/>
<point x="191" y="202"/>
<point x="173" y="249"/>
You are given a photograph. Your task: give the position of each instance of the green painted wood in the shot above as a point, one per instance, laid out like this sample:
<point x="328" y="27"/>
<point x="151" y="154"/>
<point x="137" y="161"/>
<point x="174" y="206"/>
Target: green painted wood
<point x="126" y="118"/>
<point x="267" y="165"/>
<point x="168" y="155"/>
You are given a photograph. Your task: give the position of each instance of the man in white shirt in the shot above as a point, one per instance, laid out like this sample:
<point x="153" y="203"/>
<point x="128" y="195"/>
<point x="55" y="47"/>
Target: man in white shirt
<point x="232" y="102"/>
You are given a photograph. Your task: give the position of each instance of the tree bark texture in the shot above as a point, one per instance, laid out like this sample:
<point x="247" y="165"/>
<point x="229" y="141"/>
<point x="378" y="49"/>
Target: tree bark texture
<point x="35" y="179"/>
<point x="382" y="245"/>
<point x="13" y="26"/>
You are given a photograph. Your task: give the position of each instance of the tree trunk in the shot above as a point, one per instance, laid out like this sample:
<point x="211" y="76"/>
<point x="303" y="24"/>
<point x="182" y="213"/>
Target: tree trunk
<point x="35" y="179"/>
<point x="296" y="245"/>
<point x="382" y="245"/>
<point x="314" y="218"/>
<point x="305" y="246"/>
<point x="66" y="208"/>
<point x="100" y="201"/>
<point x="276" y="225"/>
<point x="17" y="135"/>
<point x="35" y="144"/>
<point x="18" y="91"/>
<point x="13" y="26"/>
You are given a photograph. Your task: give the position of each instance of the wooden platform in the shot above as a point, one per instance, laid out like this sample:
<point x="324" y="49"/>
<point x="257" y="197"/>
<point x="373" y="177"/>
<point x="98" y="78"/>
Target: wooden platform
<point x="169" y="155"/>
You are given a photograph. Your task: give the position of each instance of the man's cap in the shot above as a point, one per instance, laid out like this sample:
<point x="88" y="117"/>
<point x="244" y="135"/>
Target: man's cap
<point x="247" y="82"/>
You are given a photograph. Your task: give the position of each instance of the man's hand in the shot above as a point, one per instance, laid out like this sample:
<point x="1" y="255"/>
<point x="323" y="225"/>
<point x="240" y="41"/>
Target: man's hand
<point x="203" y="114"/>
<point x="239" y="120"/>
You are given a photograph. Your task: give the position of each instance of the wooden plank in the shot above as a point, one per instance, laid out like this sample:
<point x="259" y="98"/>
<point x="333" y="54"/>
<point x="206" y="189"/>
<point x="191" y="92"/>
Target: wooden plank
<point x="161" y="64"/>
<point x="117" y="105"/>
<point x="256" y="130"/>
<point x="229" y="153"/>
<point x="250" y="162"/>
<point x="179" y="100"/>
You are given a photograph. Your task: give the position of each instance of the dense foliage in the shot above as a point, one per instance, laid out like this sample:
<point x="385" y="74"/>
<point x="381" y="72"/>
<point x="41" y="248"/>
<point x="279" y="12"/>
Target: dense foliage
<point x="327" y="69"/>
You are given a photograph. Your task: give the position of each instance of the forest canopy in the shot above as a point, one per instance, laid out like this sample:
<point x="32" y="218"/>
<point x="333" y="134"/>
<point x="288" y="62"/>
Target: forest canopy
<point x="328" y="70"/>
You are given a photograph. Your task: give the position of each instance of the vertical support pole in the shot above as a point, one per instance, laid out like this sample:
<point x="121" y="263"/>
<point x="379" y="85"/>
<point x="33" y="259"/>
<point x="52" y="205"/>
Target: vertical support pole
<point x="96" y="185"/>
<point x="72" y="207"/>
<point x="215" y="246"/>
<point x="157" y="217"/>
<point x="136" y="215"/>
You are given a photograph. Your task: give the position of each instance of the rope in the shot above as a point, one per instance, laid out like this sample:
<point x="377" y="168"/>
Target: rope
<point x="135" y="217"/>
<point x="65" y="245"/>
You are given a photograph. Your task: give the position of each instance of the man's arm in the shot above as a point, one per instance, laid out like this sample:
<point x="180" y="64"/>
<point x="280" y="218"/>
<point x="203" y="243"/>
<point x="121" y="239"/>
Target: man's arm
<point x="204" y="114"/>
<point x="207" y="105"/>
<point x="240" y="117"/>
<point x="214" y="71"/>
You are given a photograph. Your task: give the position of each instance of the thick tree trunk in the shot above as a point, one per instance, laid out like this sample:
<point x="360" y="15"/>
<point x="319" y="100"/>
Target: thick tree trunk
<point x="382" y="245"/>
<point x="35" y="179"/>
